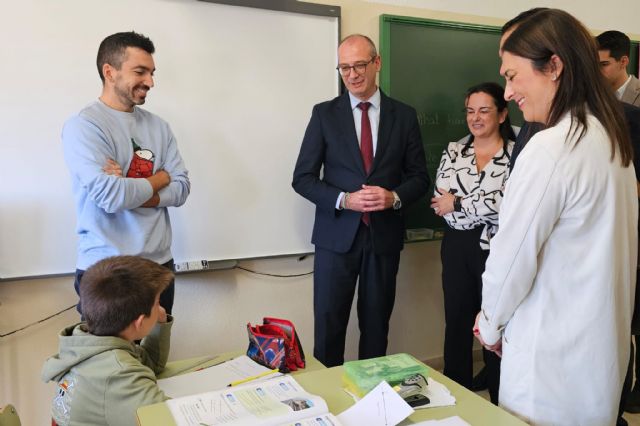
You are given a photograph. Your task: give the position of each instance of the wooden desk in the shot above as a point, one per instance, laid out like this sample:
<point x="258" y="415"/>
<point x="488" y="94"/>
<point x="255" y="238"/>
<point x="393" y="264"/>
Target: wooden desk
<point x="472" y="408"/>
<point x="327" y="383"/>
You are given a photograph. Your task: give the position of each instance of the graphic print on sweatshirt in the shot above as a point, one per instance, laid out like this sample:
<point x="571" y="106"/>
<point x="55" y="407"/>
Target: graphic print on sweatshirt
<point x="142" y="163"/>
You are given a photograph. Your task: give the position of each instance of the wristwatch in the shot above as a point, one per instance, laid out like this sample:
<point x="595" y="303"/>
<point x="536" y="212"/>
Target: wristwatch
<point x="396" y="201"/>
<point x="457" y="204"/>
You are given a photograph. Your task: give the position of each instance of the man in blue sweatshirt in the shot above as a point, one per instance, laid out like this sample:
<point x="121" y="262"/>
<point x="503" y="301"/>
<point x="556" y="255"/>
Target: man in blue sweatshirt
<point x="124" y="164"/>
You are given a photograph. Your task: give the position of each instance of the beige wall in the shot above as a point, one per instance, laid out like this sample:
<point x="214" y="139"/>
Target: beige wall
<point x="213" y="308"/>
<point x="361" y="16"/>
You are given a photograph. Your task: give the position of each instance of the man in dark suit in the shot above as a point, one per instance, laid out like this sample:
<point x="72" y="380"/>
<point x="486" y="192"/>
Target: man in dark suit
<point x="369" y="149"/>
<point x="613" y="49"/>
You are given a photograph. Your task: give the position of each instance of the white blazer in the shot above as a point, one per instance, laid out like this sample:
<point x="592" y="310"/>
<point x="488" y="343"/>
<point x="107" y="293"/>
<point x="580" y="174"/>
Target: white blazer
<point x="560" y="279"/>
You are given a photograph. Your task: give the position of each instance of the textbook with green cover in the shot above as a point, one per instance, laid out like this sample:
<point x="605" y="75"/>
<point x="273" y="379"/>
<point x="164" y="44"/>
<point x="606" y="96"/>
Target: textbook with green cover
<point x="361" y="376"/>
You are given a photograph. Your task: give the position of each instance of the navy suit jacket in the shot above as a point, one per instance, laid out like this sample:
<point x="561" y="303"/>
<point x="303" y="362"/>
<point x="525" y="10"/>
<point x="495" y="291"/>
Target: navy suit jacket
<point x="330" y="162"/>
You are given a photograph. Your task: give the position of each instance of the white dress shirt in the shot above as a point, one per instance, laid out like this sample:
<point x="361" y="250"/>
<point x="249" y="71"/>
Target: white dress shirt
<point x="374" y="119"/>
<point x="622" y="88"/>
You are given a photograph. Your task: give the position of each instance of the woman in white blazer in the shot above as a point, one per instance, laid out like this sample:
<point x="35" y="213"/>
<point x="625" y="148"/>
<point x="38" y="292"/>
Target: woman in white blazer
<point x="560" y="279"/>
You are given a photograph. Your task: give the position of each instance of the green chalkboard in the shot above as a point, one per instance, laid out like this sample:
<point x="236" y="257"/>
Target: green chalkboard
<point x="430" y="65"/>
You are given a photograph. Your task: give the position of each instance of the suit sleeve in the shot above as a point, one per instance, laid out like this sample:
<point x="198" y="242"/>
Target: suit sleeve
<point x="632" y="118"/>
<point x="176" y="193"/>
<point x="86" y="151"/>
<point x="306" y="175"/>
<point x="415" y="179"/>
<point x="534" y="202"/>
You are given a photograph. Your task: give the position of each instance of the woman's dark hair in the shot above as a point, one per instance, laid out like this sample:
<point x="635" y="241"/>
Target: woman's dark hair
<point x="581" y="87"/>
<point x="521" y="17"/>
<point x="497" y="93"/>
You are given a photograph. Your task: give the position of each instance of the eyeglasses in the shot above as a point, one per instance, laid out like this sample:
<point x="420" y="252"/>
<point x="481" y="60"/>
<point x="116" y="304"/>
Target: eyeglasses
<point x="359" y="68"/>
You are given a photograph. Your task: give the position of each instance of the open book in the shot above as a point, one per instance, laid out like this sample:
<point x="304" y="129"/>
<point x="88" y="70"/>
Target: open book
<point x="279" y="401"/>
<point x="212" y="378"/>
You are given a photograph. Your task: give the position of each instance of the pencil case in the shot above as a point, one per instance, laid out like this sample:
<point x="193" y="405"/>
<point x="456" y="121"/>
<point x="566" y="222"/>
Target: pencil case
<point x="275" y="344"/>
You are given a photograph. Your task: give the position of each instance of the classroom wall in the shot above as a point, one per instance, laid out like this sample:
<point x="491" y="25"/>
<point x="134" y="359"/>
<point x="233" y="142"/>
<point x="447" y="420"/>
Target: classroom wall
<point x="212" y="308"/>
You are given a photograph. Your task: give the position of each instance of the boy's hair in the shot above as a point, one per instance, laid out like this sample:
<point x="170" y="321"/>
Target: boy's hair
<point x="617" y="43"/>
<point x="112" y="49"/>
<point x="117" y="290"/>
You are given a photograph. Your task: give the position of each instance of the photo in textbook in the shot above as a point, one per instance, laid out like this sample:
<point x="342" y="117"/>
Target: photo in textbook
<point x="278" y="401"/>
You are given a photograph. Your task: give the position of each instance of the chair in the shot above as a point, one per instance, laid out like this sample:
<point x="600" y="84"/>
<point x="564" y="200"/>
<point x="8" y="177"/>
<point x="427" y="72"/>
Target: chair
<point x="9" y="416"/>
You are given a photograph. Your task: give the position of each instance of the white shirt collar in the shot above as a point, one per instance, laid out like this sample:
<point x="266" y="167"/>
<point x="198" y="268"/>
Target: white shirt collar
<point x="374" y="100"/>
<point x="622" y="88"/>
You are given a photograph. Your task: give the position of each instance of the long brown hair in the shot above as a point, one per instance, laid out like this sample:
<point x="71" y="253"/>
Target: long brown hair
<point x="581" y="87"/>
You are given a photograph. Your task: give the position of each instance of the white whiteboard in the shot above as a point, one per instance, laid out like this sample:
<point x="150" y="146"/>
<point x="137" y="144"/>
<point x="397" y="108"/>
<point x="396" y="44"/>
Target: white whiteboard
<point x="236" y="84"/>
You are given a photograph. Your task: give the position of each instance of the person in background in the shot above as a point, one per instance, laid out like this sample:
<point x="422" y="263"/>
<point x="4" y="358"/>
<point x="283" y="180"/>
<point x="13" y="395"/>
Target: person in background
<point x="613" y="49"/>
<point x="563" y="330"/>
<point x="102" y="374"/>
<point x="361" y="163"/>
<point x="469" y="187"/>
<point x="124" y="164"/>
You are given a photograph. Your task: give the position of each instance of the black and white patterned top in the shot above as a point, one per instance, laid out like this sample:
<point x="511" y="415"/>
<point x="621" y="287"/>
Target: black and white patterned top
<point x="481" y="192"/>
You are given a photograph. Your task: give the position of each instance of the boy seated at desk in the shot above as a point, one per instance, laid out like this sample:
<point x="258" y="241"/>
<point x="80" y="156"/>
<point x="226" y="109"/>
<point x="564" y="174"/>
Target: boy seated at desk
<point x="103" y="374"/>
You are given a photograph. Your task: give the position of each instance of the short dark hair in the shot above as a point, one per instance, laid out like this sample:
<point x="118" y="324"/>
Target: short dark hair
<point x="497" y="93"/>
<point x="372" y="46"/>
<point x="117" y="290"/>
<point x="113" y="48"/>
<point x="521" y="17"/>
<point x="617" y="43"/>
<point x="581" y="87"/>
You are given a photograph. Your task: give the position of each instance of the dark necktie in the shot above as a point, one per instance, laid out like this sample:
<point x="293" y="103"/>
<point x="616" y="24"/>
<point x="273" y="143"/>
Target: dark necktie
<point x="366" y="145"/>
<point x="366" y="140"/>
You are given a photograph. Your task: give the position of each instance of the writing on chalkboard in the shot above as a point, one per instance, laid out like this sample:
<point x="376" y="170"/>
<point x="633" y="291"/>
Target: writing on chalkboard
<point x="426" y="119"/>
<point x="456" y="120"/>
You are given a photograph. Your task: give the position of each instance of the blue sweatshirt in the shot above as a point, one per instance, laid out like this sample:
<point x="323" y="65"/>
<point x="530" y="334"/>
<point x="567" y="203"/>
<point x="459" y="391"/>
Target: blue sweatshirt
<point x="110" y="219"/>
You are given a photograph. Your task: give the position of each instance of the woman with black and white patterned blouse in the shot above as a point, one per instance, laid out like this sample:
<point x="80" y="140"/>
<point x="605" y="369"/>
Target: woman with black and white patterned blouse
<point x="469" y="187"/>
